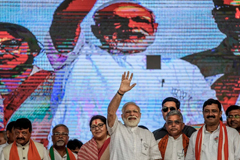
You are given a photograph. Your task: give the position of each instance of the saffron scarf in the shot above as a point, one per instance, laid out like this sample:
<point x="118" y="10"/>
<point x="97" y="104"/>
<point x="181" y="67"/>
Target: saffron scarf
<point x="162" y="145"/>
<point x="32" y="152"/>
<point x="70" y="155"/>
<point x="89" y="151"/>
<point x="199" y="139"/>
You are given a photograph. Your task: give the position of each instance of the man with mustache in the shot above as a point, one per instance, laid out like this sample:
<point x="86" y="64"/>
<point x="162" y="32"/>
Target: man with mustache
<point x="170" y="104"/>
<point x="24" y="148"/>
<point x="174" y="145"/>
<point x="126" y="29"/>
<point x="60" y="139"/>
<point x="214" y="140"/>
<point x="128" y="141"/>
<point x="233" y="117"/>
<point x="221" y="65"/>
<point x="23" y="83"/>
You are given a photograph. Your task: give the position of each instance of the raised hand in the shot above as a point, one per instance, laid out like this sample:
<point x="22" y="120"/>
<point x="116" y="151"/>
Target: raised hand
<point x="125" y="83"/>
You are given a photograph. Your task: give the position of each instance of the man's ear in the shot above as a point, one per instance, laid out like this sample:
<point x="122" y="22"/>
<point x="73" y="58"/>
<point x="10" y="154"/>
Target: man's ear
<point x="183" y="126"/>
<point x="8" y="134"/>
<point x="179" y="110"/>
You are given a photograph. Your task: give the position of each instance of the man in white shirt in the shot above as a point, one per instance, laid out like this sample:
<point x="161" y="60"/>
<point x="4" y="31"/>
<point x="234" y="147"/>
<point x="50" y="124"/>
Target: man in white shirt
<point x="24" y="148"/>
<point x="128" y="141"/>
<point x="89" y="67"/>
<point x="173" y="146"/>
<point x="233" y="117"/>
<point x="214" y="141"/>
<point x="59" y="151"/>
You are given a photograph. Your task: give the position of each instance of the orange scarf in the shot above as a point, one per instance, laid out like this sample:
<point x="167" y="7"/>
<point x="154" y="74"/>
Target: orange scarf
<point x="32" y="152"/>
<point x="162" y="145"/>
<point x="198" y="145"/>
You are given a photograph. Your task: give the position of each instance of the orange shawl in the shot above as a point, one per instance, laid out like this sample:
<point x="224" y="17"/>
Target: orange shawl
<point x="162" y="145"/>
<point x="198" y="145"/>
<point x="32" y="152"/>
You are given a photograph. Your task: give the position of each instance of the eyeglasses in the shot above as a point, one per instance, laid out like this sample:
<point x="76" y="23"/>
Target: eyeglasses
<point x="234" y="116"/>
<point x="12" y="44"/>
<point x="165" y="109"/>
<point x="94" y="127"/>
<point x="57" y="134"/>
<point x="177" y="122"/>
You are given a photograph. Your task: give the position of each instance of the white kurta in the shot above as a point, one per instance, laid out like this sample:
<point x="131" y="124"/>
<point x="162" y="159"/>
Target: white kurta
<point x="57" y="156"/>
<point x="174" y="150"/>
<point x="210" y="145"/>
<point x="132" y="143"/>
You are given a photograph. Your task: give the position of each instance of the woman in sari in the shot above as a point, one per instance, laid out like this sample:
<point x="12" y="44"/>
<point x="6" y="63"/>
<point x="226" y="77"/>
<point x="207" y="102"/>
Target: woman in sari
<point x="98" y="147"/>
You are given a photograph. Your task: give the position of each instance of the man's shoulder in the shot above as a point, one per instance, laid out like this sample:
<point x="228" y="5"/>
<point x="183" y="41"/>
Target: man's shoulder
<point x="37" y="144"/>
<point x="7" y="147"/>
<point x="232" y="131"/>
<point x="160" y="133"/>
<point x="188" y="130"/>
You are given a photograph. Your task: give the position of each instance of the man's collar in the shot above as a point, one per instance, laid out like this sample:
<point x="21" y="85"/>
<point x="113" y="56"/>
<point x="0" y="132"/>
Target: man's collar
<point x="205" y="129"/>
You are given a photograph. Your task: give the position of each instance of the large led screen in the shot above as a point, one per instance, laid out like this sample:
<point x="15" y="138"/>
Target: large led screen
<point x="61" y="61"/>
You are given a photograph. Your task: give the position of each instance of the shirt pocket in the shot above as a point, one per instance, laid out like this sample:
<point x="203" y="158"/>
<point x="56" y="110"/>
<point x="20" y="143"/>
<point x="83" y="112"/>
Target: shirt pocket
<point x="144" y="148"/>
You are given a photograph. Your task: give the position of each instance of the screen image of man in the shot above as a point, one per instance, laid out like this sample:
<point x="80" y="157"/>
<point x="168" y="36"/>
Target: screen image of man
<point x="214" y="140"/>
<point x="125" y="30"/>
<point x="24" y="148"/>
<point x="220" y="65"/>
<point x="233" y="117"/>
<point x="21" y="82"/>
<point x="169" y="104"/>
<point x="129" y="141"/>
<point x="174" y="145"/>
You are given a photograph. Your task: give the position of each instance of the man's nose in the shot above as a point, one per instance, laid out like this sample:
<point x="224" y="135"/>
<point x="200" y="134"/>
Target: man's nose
<point x="131" y="23"/>
<point x="237" y="14"/>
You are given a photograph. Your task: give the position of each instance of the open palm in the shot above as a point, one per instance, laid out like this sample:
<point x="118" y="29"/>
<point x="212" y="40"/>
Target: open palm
<point x="125" y="83"/>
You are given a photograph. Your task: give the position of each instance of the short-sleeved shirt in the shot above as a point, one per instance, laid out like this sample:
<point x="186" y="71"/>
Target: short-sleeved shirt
<point x="132" y="143"/>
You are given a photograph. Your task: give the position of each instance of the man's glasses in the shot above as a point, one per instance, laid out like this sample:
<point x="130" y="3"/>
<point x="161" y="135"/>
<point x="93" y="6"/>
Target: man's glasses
<point x="234" y="116"/>
<point x="94" y="127"/>
<point x="57" y="134"/>
<point x="165" y="109"/>
<point x="9" y="45"/>
<point x="177" y="122"/>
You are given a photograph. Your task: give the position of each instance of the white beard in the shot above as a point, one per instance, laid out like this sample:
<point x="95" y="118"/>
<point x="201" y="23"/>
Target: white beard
<point x="132" y="123"/>
<point x="60" y="143"/>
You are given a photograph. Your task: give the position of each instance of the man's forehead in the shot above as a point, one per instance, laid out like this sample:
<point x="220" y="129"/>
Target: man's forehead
<point x="170" y="104"/>
<point x="174" y="117"/>
<point x="60" y="128"/>
<point x="21" y="129"/>
<point x="211" y="106"/>
<point x="4" y="35"/>
<point x="232" y="2"/>
<point x="235" y="111"/>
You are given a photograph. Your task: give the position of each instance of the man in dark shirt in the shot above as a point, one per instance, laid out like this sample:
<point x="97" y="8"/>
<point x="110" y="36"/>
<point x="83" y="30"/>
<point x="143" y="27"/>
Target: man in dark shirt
<point x="168" y="105"/>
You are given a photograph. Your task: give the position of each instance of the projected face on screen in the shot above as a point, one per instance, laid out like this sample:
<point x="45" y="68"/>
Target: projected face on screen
<point x="125" y="28"/>
<point x="11" y="49"/>
<point x="16" y="55"/>
<point x="227" y="17"/>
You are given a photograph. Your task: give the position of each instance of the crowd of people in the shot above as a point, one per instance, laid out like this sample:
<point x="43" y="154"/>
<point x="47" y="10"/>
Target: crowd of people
<point x="117" y="141"/>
